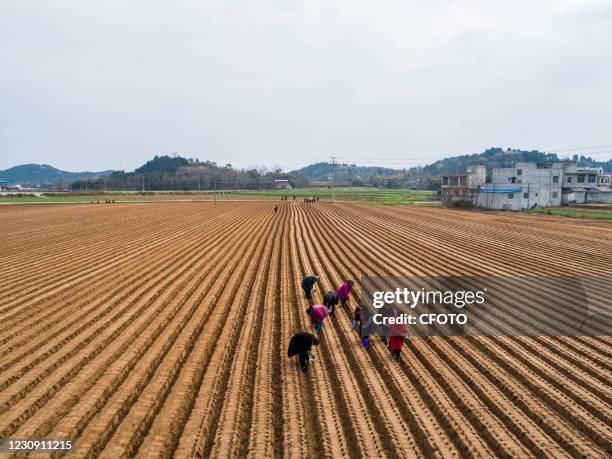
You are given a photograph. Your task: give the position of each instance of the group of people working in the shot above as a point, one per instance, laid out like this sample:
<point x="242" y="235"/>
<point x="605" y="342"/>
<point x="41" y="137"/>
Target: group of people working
<point x="301" y="343"/>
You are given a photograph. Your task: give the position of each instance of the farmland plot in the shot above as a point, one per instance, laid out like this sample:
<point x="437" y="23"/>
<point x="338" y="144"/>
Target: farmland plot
<point x="158" y="330"/>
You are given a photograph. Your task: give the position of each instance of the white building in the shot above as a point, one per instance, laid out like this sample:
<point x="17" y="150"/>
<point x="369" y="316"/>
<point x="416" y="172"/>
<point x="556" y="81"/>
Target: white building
<point x="528" y="185"/>
<point x="282" y="183"/>
<point x="523" y="186"/>
<point x="584" y="185"/>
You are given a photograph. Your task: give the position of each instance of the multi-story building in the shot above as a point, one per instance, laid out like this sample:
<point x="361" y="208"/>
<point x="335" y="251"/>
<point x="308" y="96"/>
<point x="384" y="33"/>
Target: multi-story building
<point x="585" y="185"/>
<point x="523" y="186"/>
<point x="528" y="185"/>
<point x="457" y="187"/>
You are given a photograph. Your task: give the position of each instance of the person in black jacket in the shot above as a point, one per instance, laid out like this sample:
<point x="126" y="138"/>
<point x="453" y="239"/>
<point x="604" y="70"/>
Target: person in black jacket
<point x="300" y="345"/>
<point x="330" y="300"/>
<point x="308" y="283"/>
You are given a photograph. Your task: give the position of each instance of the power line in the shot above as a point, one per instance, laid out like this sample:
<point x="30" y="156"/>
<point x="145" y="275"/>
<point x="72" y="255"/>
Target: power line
<point x="595" y="153"/>
<point x="559" y="150"/>
<point x="383" y="159"/>
<point x="385" y="162"/>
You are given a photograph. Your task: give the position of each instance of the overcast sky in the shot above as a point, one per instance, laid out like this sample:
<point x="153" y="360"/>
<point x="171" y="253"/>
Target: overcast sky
<point x="90" y="85"/>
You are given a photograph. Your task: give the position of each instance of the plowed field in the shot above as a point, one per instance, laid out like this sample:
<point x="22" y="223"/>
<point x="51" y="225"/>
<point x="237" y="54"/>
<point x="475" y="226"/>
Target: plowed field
<point x="161" y="330"/>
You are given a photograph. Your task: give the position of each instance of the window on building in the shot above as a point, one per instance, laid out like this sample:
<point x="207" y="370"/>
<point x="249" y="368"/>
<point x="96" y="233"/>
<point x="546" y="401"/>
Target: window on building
<point x="581" y="179"/>
<point x="555" y="179"/>
<point x="569" y="180"/>
<point x="512" y="179"/>
<point x="444" y="180"/>
<point x="555" y="194"/>
<point x="592" y="178"/>
<point x="519" y="172"/>
<point x="510" y="195"/>
<point x="536" y="194"/>
<point x="526" y="195"/>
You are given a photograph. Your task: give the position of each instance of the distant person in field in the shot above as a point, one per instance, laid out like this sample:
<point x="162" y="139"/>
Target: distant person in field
<point x="387" y="310"/>
<point x="365" y="320"/>
<point x="396" y="340"/>
<point x="344" y="291"/>
<point x="317" y="314"/>
<point x="275" y="208"/>
<point x="356" y="319"/>
<point x="330" y="300"/>
<point x="308" y="283"/>
<point x="300" y="345"/>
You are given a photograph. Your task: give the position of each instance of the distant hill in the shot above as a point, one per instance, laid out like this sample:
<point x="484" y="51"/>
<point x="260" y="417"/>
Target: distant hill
<point x="32" y="174"/>
<point x="173" y="172"/>
<point x="162" y="163"/>
<point x="344" y="173"/>
<point x="498" y="157"/>
<point x="429" y="176"/>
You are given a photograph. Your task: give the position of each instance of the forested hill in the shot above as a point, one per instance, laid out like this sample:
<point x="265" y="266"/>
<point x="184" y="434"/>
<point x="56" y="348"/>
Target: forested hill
<point x="343" y="171"/>
<point x="429" y="176"/>
<point x="174" y="172"/>
<point x="177" y="173"/>
<point x="498" y="157"/>
<point x="34" y="174"/>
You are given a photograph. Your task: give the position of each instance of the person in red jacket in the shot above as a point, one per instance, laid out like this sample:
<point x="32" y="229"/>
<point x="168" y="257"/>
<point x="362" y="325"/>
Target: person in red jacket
<point x="397" y="333"/>
<point x="344" y="291"/>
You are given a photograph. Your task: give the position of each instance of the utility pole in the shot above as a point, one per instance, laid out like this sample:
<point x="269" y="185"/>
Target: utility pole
<point x="104" y="185"/>
<point x="333" y="158"/>
<point x="142" y="175"/>
<point x="199" y="183"/>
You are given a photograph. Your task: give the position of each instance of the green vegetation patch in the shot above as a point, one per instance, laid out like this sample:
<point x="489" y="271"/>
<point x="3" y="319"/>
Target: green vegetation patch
<point x="361" y="194"/>
<point x="603" y="214"/>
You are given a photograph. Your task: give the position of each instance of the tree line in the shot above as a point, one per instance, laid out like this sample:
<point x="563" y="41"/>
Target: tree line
<point x="178" y="173"/>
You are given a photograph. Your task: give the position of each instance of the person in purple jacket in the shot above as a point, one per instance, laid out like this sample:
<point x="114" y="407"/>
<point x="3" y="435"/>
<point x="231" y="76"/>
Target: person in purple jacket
<point x="344" y="291"/>
<point x="317" y="314"/>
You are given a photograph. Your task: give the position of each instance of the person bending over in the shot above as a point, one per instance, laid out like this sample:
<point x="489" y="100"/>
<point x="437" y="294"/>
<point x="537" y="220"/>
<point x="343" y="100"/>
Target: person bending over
<point x="308" y="283"/>
<point x="330" y="300"/>
<point x="300" y="345"/>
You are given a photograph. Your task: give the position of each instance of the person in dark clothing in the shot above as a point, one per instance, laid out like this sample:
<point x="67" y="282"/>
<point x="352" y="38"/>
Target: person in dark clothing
<point x="365" y="326"/>
<point x="300" y="345"/>
<point x="307" y="285"/>
<point x="356" y="319"/>
<point x="330" y="300"/>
